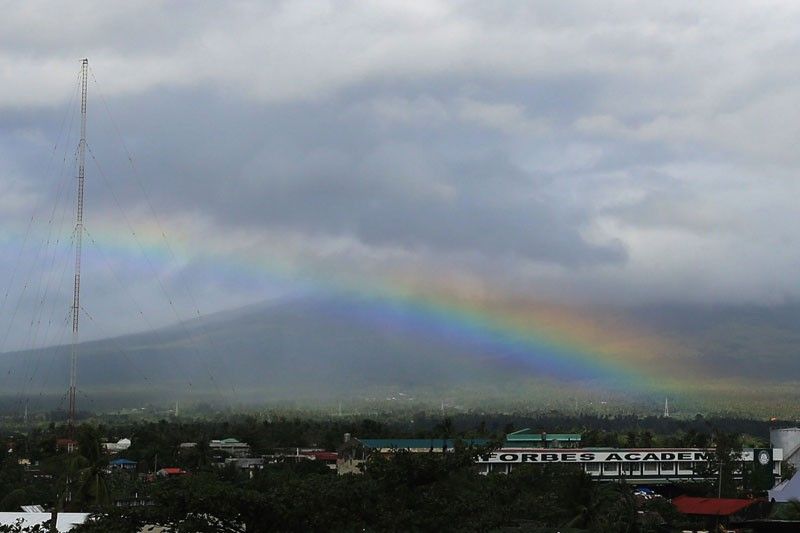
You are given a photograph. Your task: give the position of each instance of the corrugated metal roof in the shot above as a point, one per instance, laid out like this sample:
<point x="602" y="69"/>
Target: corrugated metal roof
<point x="64" y="522"/>
<point x="406" y="444"/>
<point x="529" y="434"/>
<point x="710" y="506"/>
<point x="322" y="456"/>
<point x="171" y="470"/>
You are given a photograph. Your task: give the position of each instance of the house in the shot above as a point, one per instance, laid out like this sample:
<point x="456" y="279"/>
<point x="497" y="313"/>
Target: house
<point x="171" y="472"/>
<point x="67" y="445"/>
<point x="231" y="446"/>
<point x="122" y="464"/>
<point x="303" y="454"/>
<point x="328" y="458"/>
<point x="247" y="464"/>
<point x="116" y="447"/>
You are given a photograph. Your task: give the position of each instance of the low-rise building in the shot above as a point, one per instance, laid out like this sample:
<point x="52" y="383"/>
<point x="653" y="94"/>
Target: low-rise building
<point x="532" y="439"/>
<point x="171" y="472"/>
<point x="640" y="465"/>
<point x="122" y="464"/>
<point x="231" y="446"/>
<point x="116" y="447"/>
<point x="327" y="458"/>
<point x="246" y="463"/>
<point x="66" y="445"/>
<point x="637" y="465"/>
<point x="64" y="521"/>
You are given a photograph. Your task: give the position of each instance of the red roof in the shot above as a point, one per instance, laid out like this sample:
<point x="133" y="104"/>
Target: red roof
<point x="171" y="471"/>
<point x="710" y="506"/>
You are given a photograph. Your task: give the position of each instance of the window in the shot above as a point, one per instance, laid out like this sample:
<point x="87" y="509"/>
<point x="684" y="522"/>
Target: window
<point x="668" y="467"/>
<point x="610" y="468"/>
<point x="592" y="467"/>
<point x="651" y="468"/>
<point x="685" y="467"/>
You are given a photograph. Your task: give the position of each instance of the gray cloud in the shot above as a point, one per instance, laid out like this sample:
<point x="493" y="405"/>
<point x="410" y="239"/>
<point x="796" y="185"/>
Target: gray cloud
<point x="574" y="151"/>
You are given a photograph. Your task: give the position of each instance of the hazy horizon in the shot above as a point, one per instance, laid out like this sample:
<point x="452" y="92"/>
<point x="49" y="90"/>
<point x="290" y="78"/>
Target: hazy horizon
<point x="577" y="190"/>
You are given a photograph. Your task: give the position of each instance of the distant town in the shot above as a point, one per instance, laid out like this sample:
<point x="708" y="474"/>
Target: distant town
<point x="249" y="473"/>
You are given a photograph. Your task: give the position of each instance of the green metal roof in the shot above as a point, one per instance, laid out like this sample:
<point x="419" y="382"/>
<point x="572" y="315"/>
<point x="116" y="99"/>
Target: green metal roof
<point x="529" y="435"/>
<point x="406" y="444"/>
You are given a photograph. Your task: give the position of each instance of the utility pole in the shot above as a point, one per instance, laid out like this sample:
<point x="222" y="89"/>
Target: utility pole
<point x="666" y="407"/>
<point x="76" y="287"/>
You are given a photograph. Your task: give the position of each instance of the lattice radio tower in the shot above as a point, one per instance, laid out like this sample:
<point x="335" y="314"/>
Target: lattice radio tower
<point x="76" y="288"/>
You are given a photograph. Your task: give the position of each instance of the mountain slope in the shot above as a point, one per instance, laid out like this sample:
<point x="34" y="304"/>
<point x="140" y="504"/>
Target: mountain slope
<point x="308" y="348"/>
<point x="295" y="349"/>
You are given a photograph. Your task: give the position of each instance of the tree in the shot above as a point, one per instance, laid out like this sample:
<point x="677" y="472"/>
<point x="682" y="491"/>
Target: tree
<point x="610" y="509"/>
<point x="19" y="527"/>
<point x="723" y="464"/>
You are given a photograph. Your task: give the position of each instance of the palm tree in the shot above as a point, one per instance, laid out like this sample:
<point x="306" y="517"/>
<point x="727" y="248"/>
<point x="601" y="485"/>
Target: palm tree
<point x="83" y="474"/>
<point x="610" y="508"/>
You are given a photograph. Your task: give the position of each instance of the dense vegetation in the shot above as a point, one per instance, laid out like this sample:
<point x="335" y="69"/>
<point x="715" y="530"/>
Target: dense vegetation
<point x="406" y="493"/>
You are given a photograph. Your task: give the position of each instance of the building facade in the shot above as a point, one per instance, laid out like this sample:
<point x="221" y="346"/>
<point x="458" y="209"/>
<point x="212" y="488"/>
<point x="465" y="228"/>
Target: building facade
<point x="638" y="465"/>
<point x="232" y="447"/>
<point x="635" y="465"/>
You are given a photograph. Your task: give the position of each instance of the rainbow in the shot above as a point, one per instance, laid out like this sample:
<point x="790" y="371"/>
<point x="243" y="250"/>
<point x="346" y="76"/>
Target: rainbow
<point x="533" y="337"/>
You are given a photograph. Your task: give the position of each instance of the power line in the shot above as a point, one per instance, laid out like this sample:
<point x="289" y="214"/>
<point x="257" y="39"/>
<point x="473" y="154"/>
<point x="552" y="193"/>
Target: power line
<point x="162" y="232"/>
<point x="152" y="268"/>
<point x="15" y="269"/>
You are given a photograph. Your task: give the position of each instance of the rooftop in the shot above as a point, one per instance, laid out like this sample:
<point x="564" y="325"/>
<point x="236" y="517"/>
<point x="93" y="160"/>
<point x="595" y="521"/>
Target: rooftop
<point x="405" y="444"/>
<point x="230" y="441"/>
<point x="528" y="434"/>
<point x="711" y="506"/>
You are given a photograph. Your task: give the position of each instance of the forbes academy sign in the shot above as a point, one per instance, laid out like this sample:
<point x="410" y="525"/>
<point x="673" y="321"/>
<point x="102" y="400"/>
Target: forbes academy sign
<point x="579" y="456"/>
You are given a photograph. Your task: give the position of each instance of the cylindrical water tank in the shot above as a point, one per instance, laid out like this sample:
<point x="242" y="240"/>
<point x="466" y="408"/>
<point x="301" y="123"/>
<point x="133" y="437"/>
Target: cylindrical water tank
<point x="787" y="439"/>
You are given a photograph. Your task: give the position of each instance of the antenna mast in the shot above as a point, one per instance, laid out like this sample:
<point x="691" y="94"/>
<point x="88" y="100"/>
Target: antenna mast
<point x="76" y="289"/>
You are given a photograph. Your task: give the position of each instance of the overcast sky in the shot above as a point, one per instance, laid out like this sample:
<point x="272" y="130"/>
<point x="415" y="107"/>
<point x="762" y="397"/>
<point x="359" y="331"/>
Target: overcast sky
<point x="600" y="152"/>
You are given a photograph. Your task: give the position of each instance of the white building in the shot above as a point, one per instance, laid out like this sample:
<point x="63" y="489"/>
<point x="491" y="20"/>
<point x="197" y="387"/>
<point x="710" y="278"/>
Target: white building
<point x="230" y="446"/>
<point x="638" y="465"/>
<point x="64" y="521"/>
<point x="116" y="447"/>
